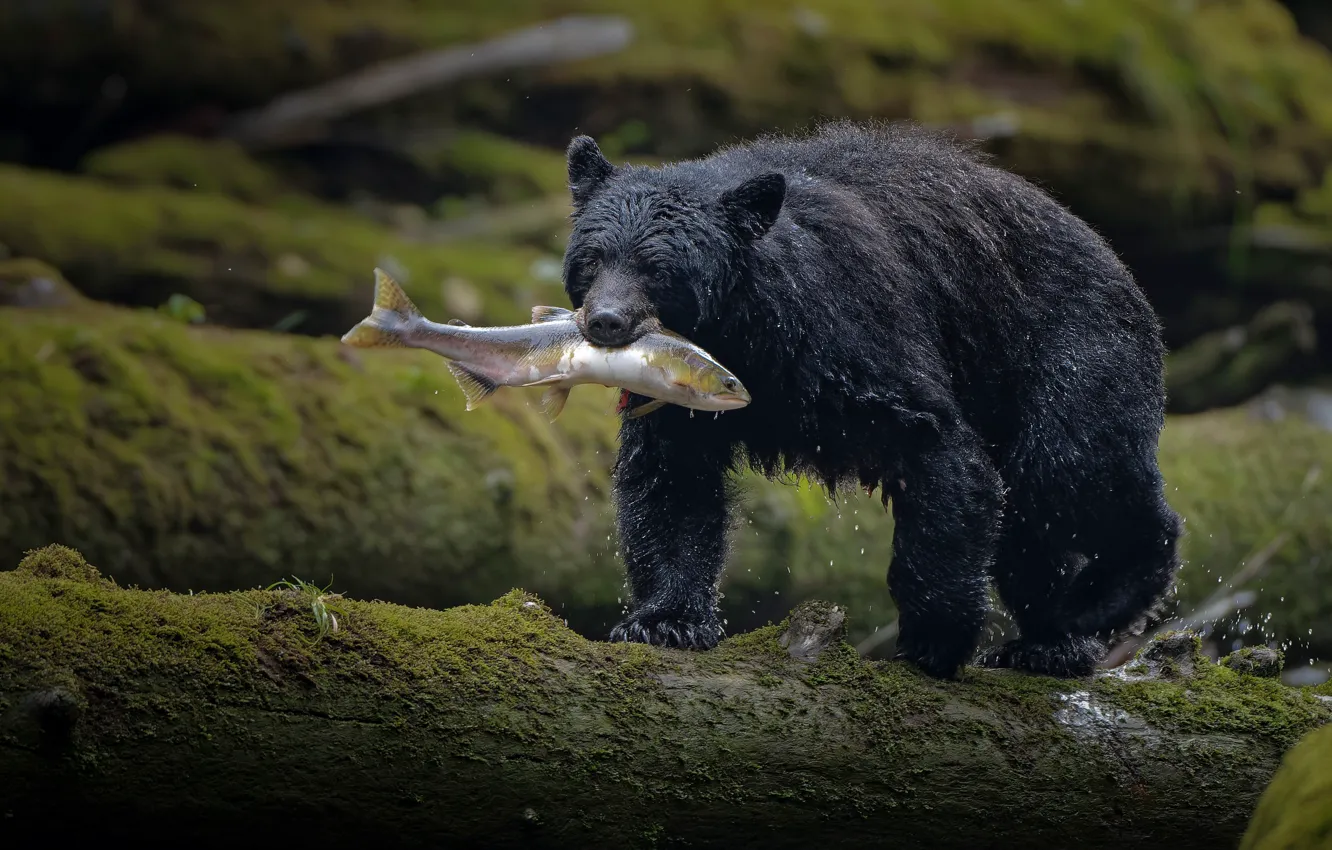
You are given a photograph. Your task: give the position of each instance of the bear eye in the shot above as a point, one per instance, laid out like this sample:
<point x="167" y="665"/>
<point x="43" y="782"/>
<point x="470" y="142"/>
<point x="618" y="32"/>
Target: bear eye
<point x="661" y="276"/>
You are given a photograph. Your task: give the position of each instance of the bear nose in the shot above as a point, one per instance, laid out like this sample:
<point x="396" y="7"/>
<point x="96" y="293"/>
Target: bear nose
<point x="607" y="327"/>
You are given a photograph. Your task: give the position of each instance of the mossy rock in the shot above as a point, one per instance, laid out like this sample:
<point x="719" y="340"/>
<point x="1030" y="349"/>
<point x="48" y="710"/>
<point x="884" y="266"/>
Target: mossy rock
<point x="1295" y="812"/>
<point x="192" y="457"/>
<point x="253" y="266"/>
<point x="25" y="282"/>
<point x="1262" y="661"/>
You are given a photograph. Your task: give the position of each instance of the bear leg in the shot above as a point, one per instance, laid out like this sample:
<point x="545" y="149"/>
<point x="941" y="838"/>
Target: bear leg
<point x="946" y="527"/>
<point x="1134" y="562"/>
<point x="1032" y="578"/>
<point x="672" y="503"/>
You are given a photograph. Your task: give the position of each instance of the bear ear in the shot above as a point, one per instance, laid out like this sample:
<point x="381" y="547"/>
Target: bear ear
<point x="754" y="205"/>
<point x="588" y="169"/>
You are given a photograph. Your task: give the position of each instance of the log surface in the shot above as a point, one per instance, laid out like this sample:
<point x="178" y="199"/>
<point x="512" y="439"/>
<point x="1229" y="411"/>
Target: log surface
<point x="217" y="719"/>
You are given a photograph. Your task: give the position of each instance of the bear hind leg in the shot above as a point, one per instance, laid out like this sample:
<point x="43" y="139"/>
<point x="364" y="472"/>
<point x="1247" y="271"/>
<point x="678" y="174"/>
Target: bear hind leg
<point x="1032" y="578"/>
<point x="1132" y="565"/>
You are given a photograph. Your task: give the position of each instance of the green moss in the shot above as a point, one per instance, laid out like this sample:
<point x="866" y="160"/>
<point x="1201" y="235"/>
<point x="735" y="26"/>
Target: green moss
<point x="1256" y="661"/>
<point x="1295" y="812"/>
<point x="1244" y="486"/>
<point x="499" y="169"/>
<point x="205" y="459"/>
<point x="58" y="561"/>
<point x="252" y="266"/>
<point x="1151" y="91"/>
<point x="205" y="166"/>
<point x="1217" y="699"/>
<point x="1179" y="103"/>
<point x="743" y="728"/>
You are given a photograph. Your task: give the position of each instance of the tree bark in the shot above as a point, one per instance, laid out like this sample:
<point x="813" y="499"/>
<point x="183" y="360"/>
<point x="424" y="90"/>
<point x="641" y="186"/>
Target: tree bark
<point x="217" y="719"/>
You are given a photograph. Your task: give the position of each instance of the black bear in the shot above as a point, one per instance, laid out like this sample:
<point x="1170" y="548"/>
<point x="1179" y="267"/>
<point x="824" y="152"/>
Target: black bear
<point x="908" y="316"/>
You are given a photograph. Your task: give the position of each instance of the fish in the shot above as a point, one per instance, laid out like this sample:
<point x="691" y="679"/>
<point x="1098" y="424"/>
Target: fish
<point x="661" y="366"/>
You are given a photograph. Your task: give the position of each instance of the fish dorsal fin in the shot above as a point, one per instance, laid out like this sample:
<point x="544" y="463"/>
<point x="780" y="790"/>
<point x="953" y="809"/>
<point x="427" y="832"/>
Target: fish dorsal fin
<point x="550" y="314"/>
<point x="475" y="386"/>
<point x="552" y="401"/>
<point x="458" y="323"/>
<point x="645" y="409"/>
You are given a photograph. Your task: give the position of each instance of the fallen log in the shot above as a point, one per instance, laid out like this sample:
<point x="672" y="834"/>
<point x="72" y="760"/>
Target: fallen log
<point x="213" y="719"/>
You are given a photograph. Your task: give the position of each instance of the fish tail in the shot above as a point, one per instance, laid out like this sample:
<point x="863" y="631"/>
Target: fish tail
<point x="392" y="317"/>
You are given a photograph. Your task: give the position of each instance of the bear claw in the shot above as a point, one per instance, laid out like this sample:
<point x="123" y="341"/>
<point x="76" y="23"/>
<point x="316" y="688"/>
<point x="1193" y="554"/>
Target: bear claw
<point x="1070" y="658"/>
<point x="667" y="631"/>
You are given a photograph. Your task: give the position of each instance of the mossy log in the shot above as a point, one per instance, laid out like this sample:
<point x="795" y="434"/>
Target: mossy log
<point x="196" y="458"/>
<point x="214" y="718"/>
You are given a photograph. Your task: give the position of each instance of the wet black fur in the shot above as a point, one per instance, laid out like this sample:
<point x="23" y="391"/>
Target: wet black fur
<point x="905" y="316"/>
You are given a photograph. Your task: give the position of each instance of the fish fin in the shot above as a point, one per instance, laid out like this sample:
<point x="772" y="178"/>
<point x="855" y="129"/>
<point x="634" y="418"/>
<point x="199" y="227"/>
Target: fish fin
<point x="392" y="315"/>
<point x="369" y="334"/>
<point x="458" y="323"/>
<point x="550" y="314"/>
<point x="645" y="409"/>
<point x="552" y="401"/>
<point x="389" y="296"/>
<point x="475" y="386"/>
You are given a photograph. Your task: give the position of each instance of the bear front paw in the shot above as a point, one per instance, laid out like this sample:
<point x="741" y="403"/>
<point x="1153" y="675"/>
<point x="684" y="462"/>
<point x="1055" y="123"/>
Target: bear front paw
<point x="666" y="630"/>
<point x="1070" y="658"/>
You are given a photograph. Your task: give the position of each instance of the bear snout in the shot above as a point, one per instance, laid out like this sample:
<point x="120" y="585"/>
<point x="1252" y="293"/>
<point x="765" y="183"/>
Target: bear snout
<point x="608" y="327"/>
<point x="615" y="315"/>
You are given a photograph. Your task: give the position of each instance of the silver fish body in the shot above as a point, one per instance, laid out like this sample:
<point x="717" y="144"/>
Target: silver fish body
<point x="551" y="352"/>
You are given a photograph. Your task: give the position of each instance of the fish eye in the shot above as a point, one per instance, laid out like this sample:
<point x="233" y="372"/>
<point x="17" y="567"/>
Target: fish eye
<point x="729" y="384"/>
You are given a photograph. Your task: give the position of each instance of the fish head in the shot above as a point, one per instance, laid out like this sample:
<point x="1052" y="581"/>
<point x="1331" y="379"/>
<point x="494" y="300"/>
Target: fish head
<point x="700" y="382"/>
<point x="647" y="243"/>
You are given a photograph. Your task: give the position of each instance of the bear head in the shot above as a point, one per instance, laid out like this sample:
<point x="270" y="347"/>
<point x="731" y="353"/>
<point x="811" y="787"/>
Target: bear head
<point x="658" y="245"/>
